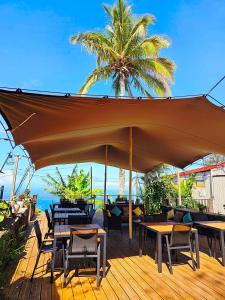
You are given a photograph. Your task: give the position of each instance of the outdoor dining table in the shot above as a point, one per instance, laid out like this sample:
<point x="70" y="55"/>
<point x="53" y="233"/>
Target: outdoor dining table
<point x="218" y="226"/>
<point x="161" y="229"/>
<point x="67" y="210"/>
<point x="64" y="216"/>
<point x="63" y="231"/>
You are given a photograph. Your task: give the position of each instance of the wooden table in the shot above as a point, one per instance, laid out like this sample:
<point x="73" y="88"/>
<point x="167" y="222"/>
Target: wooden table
<point x="63" y="231"/>
<point x="67" y="210"/>
<point x="217" y="226"/>
<point x="163" y="228"/>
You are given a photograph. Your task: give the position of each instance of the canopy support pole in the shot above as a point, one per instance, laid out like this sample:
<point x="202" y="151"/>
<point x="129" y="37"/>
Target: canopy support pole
<point x="14" y="176"/>
<point x="130" y="181"/>
<point x="179" y="189"/>
<point x="105" y="179"/>
<point x="91" y="182"/>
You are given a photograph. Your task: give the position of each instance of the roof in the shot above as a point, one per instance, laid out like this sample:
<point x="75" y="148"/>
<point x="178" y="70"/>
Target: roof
<point x="203" y="169"/>
<point x="59" y="129"/>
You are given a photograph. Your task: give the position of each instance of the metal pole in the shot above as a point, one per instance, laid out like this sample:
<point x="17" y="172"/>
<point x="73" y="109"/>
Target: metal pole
<point x="28" y="178"/>
<point x="179" y="189"/>
<point x="105" y="179"/>
<point x="130" y="181"/>
<point x="14" y="176"/>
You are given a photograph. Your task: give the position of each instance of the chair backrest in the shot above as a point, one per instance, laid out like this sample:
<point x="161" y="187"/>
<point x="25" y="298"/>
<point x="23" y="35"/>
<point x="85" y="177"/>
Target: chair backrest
<point x="91" y="214"/>
<point x="83" y="240"/>
<point x="180" y="235"/>
<point x="48" y="219"/>
<point x="86" y="209"/>
<point x="52" y="209"/>
<point x="76" y="219"/>
<point x="38" y="233"/>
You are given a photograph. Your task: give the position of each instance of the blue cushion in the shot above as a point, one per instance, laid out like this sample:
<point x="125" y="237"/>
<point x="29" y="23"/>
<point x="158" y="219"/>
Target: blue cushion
<point x="116" y="211"/>
<point x="187" y="218"/>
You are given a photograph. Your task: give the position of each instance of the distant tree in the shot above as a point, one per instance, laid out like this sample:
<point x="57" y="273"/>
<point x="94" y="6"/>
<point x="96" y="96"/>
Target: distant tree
<point x="213" y="159"/>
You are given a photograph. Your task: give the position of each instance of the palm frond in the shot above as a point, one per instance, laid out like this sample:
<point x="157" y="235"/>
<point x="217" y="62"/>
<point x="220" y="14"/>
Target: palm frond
<point x="96" y="43"/>
<point x="139" y="29"/>
<point x="159" y="66"/>
<point x="60" y="177"/>
<point x="96" y="75"/>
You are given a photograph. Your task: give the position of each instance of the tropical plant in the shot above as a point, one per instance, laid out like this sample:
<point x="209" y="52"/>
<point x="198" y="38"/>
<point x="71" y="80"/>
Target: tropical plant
<point x="4" y="210"/>
<point x="127" y="55"/>
<point x="76" y="186"/>
<point x="186" y="186"/>
<point x="157" y="190"/>
<point x="11" y="247"/>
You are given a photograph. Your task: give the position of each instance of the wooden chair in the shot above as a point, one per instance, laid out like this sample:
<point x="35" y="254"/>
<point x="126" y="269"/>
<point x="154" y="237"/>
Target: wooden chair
<point x="84" y="244"/>
<point x="50" y="223"/>
<point x="91" y="215"/>
<point x="180" y="239"/>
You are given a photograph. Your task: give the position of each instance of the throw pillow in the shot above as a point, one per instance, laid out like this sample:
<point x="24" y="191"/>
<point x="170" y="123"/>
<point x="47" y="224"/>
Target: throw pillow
<point x="137" y="211"/>
<point x="108" y="213"/>
<point x="178" y="216"/>
<point x="116" y="211"/>
<point x="187" y="218"/>
<point x="170" y="214"/>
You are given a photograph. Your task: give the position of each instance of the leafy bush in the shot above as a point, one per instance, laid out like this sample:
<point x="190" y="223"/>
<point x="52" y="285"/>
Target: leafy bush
<point x="157" y="189"/>
<point x="11" y="246"/>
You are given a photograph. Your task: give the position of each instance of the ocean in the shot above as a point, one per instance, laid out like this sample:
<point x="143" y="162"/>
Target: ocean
<point x="45" y="199"/>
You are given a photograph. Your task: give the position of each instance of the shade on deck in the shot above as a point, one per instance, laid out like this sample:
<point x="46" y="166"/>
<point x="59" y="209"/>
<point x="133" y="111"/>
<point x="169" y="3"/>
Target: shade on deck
<point x="58" y="129"/>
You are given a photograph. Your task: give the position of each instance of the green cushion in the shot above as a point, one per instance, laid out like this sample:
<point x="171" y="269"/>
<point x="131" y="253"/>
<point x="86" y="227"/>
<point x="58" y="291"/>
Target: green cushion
<point x="187" y="218"/>
<point x="116" y="211"/>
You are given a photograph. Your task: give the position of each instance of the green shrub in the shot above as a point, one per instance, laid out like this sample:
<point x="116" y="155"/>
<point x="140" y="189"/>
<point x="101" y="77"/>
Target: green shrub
<point x="11" y="247"/>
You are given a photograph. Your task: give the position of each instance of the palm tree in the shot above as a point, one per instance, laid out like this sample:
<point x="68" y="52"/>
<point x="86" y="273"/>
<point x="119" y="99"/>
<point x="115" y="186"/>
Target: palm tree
<point x="127" y="55"/>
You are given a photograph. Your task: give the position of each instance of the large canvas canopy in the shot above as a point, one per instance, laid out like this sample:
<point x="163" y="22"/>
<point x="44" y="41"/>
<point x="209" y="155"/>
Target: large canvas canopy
<point x="60" y="129"/>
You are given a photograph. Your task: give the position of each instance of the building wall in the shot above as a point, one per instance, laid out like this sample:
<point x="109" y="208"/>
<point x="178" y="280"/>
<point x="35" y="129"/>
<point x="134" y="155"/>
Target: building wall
<point x="211" y="195"/>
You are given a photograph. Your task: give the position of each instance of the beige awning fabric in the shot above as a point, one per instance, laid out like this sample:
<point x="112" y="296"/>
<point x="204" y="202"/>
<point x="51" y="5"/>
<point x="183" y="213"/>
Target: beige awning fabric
<point x="58" y="129"/>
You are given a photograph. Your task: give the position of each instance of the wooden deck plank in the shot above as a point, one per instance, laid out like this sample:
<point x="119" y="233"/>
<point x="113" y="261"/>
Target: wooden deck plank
<point x="129" y="276"/>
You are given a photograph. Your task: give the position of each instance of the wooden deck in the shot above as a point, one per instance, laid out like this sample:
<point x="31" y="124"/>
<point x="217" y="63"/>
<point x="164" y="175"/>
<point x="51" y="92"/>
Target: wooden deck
<point x="129" y="277"/>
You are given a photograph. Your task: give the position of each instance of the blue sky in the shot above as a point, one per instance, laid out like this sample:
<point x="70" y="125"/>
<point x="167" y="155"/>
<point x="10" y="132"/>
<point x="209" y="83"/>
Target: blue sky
<point x="35" y="51"/>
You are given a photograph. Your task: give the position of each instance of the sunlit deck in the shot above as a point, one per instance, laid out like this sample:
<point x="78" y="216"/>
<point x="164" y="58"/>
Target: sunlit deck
<point x="129" y="277"/>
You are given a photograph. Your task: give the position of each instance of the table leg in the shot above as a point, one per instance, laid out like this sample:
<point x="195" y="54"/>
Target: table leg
<point x="53" y="260"/>
<point x="159" y="251"/>
<point x="197" y="250"/>
<point x="222" y="246"/>
<point x="104" y="257"/>
<point x="140" y="240"/>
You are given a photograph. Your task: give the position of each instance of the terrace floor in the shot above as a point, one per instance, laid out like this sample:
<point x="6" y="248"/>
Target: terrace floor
<point x="129" y="276"/>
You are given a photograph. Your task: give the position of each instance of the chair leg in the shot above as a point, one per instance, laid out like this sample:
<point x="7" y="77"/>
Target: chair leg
<point x="192" y="258"/>
<point x="98" y="267"/>
<point x="65" y="269"/>
<point x="36" y="263"/>
<point x="169" y="255"/>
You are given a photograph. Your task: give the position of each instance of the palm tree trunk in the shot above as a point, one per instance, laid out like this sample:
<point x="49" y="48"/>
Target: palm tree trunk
<point x="122" y="171"/>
